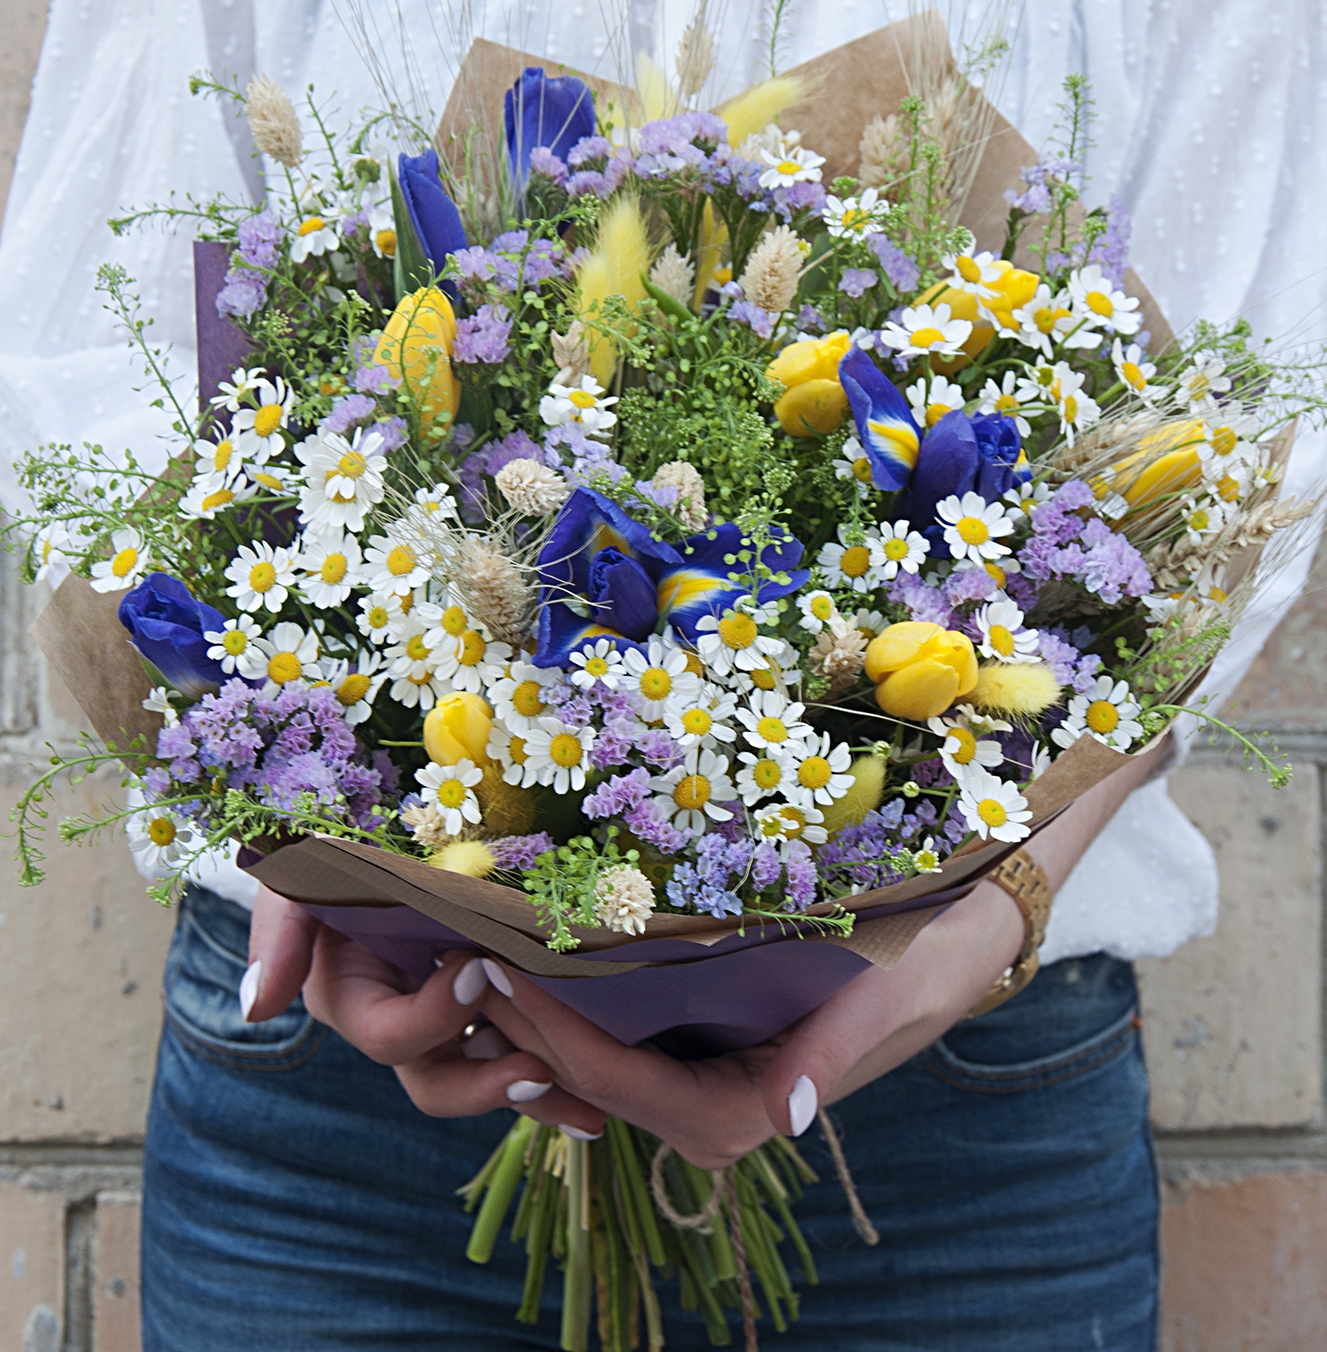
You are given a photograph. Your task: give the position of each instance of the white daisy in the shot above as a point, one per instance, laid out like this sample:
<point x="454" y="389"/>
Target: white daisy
<point x="962" y="747"/>
<point x="1201" y="383"/>
<point x="583" y="404"/>
<point x="446" y="622"/>
<point x="817" y="609"/>
<point x="330" y="562"/>
<point x="380" y="617"/>
<point x="48" y="553"/>
<point x="356" y="688"/>
<point x="382" y="230"/>
<point x="1077" y="410"/>
<point x="1135" y="372"/>
<point x="856" y="560"/>
<point x="773" y="722"/>
<point x="394" y="562"/>
<point x="792" y="164"/>
<point x="1202" y="517"/>
<point x="265" y="422"/>
<point x="1096" y="300"/>
<point x="1225" y="445"/>
<point x="1106" y="712"/>
<point x="1023" y="500"/>
<point x="261" y="574"/>
<point x="232" y="642"/>
<point x="414" y="653"/>
<point x="902" y="548"/>
<point x="927" y="331"/>
<point x="781" y="823"/>
<point x="508" y="749"/>
<point x="314" y="236"/>
<point x="598" y="663"/>
<point x="559" y="755"/>
<point x="420" y="692"/>
<point x="125" y="566"/>
<point x="288" y="653"/>
<point x="342" y="479"/>
<point x="691" y="793"/>
<point x="472" y="661"/>
<point x="869" y="622"/>
<point x="234" y="391"/>
<point x="764" y="774"/>
<point x="821" y="773"/>
<point x="770" y="673"/>
<point x="703" y="720"/>
<point x="207" y="497"/>
<point x="1003" y="637"/>
<point x="451" y="789"/>
<point x="972" y="273"/>
<point x="159" y="702"/>
<point x="854" y="465"/>
<point x="993" y="808"/>
<point x="930" y="405"/>
<point x="222" y="459"/>
<point x="855" y="217"/>
<point x="972" y="527"/>
<point x="275" y="478"/>
<point x="517" y="695"/>
<point x="733" y="641"/>
<point x="161" y="838"/>
<point x="1002" y="398"/>
<point x="657" y="678"/>
<point x="432" y="502"/>
<point x="1044" y="321"/>
<point x="1041" y="761"/>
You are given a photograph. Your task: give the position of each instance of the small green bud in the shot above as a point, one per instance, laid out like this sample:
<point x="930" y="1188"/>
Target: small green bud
<point x="911" y="789"/>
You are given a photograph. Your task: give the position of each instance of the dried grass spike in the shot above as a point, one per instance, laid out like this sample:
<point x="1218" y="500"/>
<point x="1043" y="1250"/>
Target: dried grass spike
<point x="675" y="273"/>
<point x="695" y="59"/>
<point x="572" y="353"/>
<point x="882" y="153"/>
<point x="690" y="507"/>
<point x="494" y="591"/>
<point x="274" y="122"/>
<point x="773" y="270"/>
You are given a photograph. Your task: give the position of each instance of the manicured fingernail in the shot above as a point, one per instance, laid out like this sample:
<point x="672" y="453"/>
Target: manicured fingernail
<point x="577" y="1134"/>
<point x="496" y="975"/>
<point x="802" y="1104"/>
<point x="524" y="1091"/>
<point x="470" y="982"/>
<point x="249" y="988"/>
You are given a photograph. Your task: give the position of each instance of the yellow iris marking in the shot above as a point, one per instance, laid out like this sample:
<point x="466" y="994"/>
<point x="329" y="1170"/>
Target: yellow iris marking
<point x="895" y="440"/>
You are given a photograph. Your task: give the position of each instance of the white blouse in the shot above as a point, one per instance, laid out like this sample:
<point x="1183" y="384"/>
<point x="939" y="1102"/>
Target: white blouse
<point x="1210" y="125"/>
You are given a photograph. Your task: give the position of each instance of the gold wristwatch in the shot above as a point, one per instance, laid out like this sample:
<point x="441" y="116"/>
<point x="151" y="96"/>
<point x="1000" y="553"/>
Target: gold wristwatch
<point x="1025" y="880"/>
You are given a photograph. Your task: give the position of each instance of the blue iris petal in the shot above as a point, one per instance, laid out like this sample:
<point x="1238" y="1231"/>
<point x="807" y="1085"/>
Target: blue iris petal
<point x="885" y="425"/>
<point x="622" y="595"/>
<point x="433" y="215"/>
<point x="540" y="111"/>
<point x="166" y="623"/>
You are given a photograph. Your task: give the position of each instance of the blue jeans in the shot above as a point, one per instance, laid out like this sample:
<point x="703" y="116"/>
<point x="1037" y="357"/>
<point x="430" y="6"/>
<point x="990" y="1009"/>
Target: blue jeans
<point x="295" y="1199"/>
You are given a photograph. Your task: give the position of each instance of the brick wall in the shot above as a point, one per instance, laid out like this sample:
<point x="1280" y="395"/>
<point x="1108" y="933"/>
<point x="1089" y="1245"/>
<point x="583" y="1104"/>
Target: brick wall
<point x="1233" y="1023"/>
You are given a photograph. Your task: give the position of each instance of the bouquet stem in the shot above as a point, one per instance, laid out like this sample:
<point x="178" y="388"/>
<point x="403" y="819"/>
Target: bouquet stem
<point x="620" y="1211"/>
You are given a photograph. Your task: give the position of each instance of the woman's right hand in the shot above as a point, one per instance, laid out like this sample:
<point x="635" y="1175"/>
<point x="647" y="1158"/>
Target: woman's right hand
<point x="398" y="1021"/>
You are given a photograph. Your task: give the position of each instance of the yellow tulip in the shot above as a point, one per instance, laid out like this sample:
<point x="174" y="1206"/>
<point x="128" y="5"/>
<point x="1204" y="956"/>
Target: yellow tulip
<point x="809" y="372"/>
<point x="457" y="728"/>
<point x="1169" y="460"/>
<point x="1013" y="288"/>
<point x="419" y="335"/>
<point x="920" y="669"/>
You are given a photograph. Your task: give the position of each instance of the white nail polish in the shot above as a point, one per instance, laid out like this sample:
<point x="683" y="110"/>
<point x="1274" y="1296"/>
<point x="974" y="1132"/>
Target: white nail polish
<point x="470" y="982"/>
<point x="577" y="1134"/>
<point x="497" y="976"/>
<point x="249" y="988"/>
<point x="526" y="1091"/>
<point x="802" y="1104"/>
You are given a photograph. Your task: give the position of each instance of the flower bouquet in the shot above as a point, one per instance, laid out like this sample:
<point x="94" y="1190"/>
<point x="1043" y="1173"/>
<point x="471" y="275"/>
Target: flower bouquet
<point x="676" y="552"/>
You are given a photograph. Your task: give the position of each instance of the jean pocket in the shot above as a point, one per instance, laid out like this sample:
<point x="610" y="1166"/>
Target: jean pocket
<point x="203" y="972"/>
<point x="1089" y="1054"/>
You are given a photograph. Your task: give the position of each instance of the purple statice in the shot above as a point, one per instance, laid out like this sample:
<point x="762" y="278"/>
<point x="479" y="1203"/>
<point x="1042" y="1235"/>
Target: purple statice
<point x="393" y="432"/>
<point x="931" y="774"/>
<point x="686" y="888"/>
<point x="894" y="263"/>
<point x="787" y="202"/>
<point x="615" y="743"/>
<point x="923" y="600"/>
<point x="347" y="411"/>
<point x="544" y="162"/>
<point x="1110" y="249"/>
<point x="483" y="335"/>
<point x="244" y="293"/>
<point x="374" y="379"/>
<point x="592" y="464"/>
<point x="761" y="322"/>
<point x="862" y="855"/>
<point x="855" y="282"/>
<point x="658" y="748"/>
<point x="809" y="320"/>
<point x="766" y="866"/>
<point x="156" y="782"/>
<point x="1021" y="590"/>
<point x="617" y="796"/>
<point x="245" y="288"/>
<point x="650" y="823"/>
<point x="476" y="263"/>
<point x="1041" y="179"/>
<point x="1112" y="567"/>
<point x="669" y="146"/>
<point x="1064" y="545"/>
<point x="1058" y="654"/>
<point x="708" y="884"/>
<point x="520" y="852"/>
<point x="542" y="259"/>
<point x="802" y="876"/>
<point x="1086" y="671"/>
<point x="964" y="585"/>
<point x="587" y="182"/>
<point x="586" y="151"/>
<point x="260" y="240"/>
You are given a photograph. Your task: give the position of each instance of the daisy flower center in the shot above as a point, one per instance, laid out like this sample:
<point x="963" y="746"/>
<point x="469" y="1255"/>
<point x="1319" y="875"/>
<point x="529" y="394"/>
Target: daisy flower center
<point x="962" y="745"/>
<point x="565" y="750"/>
<point x="416" y="649"/>
<point x="692" y="792"/>
<point x="968" y="270"/>
<point x="235" y="642"/>
<point x="1044" y="319"/>
<point x="267" y="419"/>
<point x="473" y="649"/>
<point x="738" y="631"/>
<point x="400" y="561"/>
<point x="1102" y="716"/>
<point x="1070" y="409"/>
<point x="386" y="240"/>
<point x="855" y="561"/>
<point x="934" y="412"/>
<point x="267" y="480"/>
<point x="1001" y="640"/>
<point x="451" y="793"/>
<point x="596" y="666"/>
<point x="1223" y="440"/>
<point x="694" y="665"/>
<point x="697" y="721"/>
<point x="525" y="699"/>
<point x="352" y="464"/>
<point x="1007" y="404"/>
<point x="284" y="667"/>
<point x="1199" y="386"/>
<point x="998" y="573"/>
<point x="1198" y="521"/>
<point x="795" y="821"/>
<point x="772" y="729"/>
<point x="927" y="861"/>
<point x="454" y="621"/>
<point x="307" y="227"/>
<point x="655" y="683"/>
<point x="1131" y="372"/>
<point x="582" y="398"/>
<point x="766" y="774"/>
<point x="353" y="689"/>
<point x="861" y="470"/>
<point x="1100" y="304"/>
<point x="896" y="550"/>
<point x="262" y="577"/>
<point x="161" y="831"/>
<point x="124" y="562"/>
<point x="854" y="218"/>
<point x="992" y="812"/>
<point x="221" y="456"/>
<point x="1227" y="488"/>
<point x="218" y="499"/>
<point x="516" y="750"/>
<point x="972" y="530"/>
<point x="822" y="607"/>
<point x="814" y="772"/>
<point x="763" y="679"/>
<point x="788" y="167"/>
<point x="333" y="568"/>
<point x="377" y="618"/>
<point x="927" y="337"/>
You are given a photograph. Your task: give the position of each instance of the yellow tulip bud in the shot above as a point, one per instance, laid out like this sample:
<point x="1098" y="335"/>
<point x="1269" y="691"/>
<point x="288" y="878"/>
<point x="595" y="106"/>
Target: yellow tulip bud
<point x="1013" y="288"/>
<point x="813" y="399"/>
<point x="457" y="728"/>
<point x="419" y="336"/>
<point x="1165" y="463"/>
<point x="920" y="669"/>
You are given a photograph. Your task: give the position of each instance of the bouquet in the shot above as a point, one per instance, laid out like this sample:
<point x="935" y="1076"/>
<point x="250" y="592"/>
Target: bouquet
<point x="666" y="549"/>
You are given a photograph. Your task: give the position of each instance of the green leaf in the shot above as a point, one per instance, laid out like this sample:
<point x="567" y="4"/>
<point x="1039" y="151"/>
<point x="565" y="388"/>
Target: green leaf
<point x="410" y="268"/>
<point x="669" y="304"/>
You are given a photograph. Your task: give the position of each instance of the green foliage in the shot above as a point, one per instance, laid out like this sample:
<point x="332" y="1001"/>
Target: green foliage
<point x="562" y="883"/>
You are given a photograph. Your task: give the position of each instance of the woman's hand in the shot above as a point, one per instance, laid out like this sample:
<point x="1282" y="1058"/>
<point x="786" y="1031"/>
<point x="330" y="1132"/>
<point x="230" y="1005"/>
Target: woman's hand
<point x="717" y="1110"/>
<point x="396" y="1020"/>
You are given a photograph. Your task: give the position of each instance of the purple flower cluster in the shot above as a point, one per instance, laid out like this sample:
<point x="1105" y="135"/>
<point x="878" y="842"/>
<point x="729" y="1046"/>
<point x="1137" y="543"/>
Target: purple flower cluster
<point x="514" y="260"/>
<point x="673" y="144"/>
<point x="245" y="289"/>
<point x="1110" y="249"/>
<point x="1067" y="664"/>
<point x="856" y="281"/>
<point x="761" y="322"/>
<point x="894" y="263"/>
<point x="1041" y="179"/>
<point x="486" y="462"/>
<point x="295" y="743"/>
<point x="543" y="161"/>
<point x="348" y="411"/>
<point x="865" y="856"/>
<point x="1063" y="545"/>
<point x="483" y="335"/>
<point x="708" y="884"/>
<point x="520" y="852"/>
<point x="924" y="600"/>
<point x="787" y="202"/>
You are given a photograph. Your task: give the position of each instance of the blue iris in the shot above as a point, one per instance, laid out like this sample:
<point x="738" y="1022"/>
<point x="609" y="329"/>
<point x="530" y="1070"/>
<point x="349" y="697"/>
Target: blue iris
<point x="166" y="624"/>
<point x="540" y="111"/>
<point x="433" y="215"/>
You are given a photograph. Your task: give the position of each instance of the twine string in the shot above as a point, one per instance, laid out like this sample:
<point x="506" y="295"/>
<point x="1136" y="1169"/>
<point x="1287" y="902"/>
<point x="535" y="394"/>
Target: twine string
<point x="860" y="1219"/>
<point x="700" y="1221"/>
<point x="739" y="1254"/>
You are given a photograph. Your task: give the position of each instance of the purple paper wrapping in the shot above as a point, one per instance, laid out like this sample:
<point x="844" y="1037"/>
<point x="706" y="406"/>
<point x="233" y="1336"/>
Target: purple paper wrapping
<point x="222" y="345"/>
